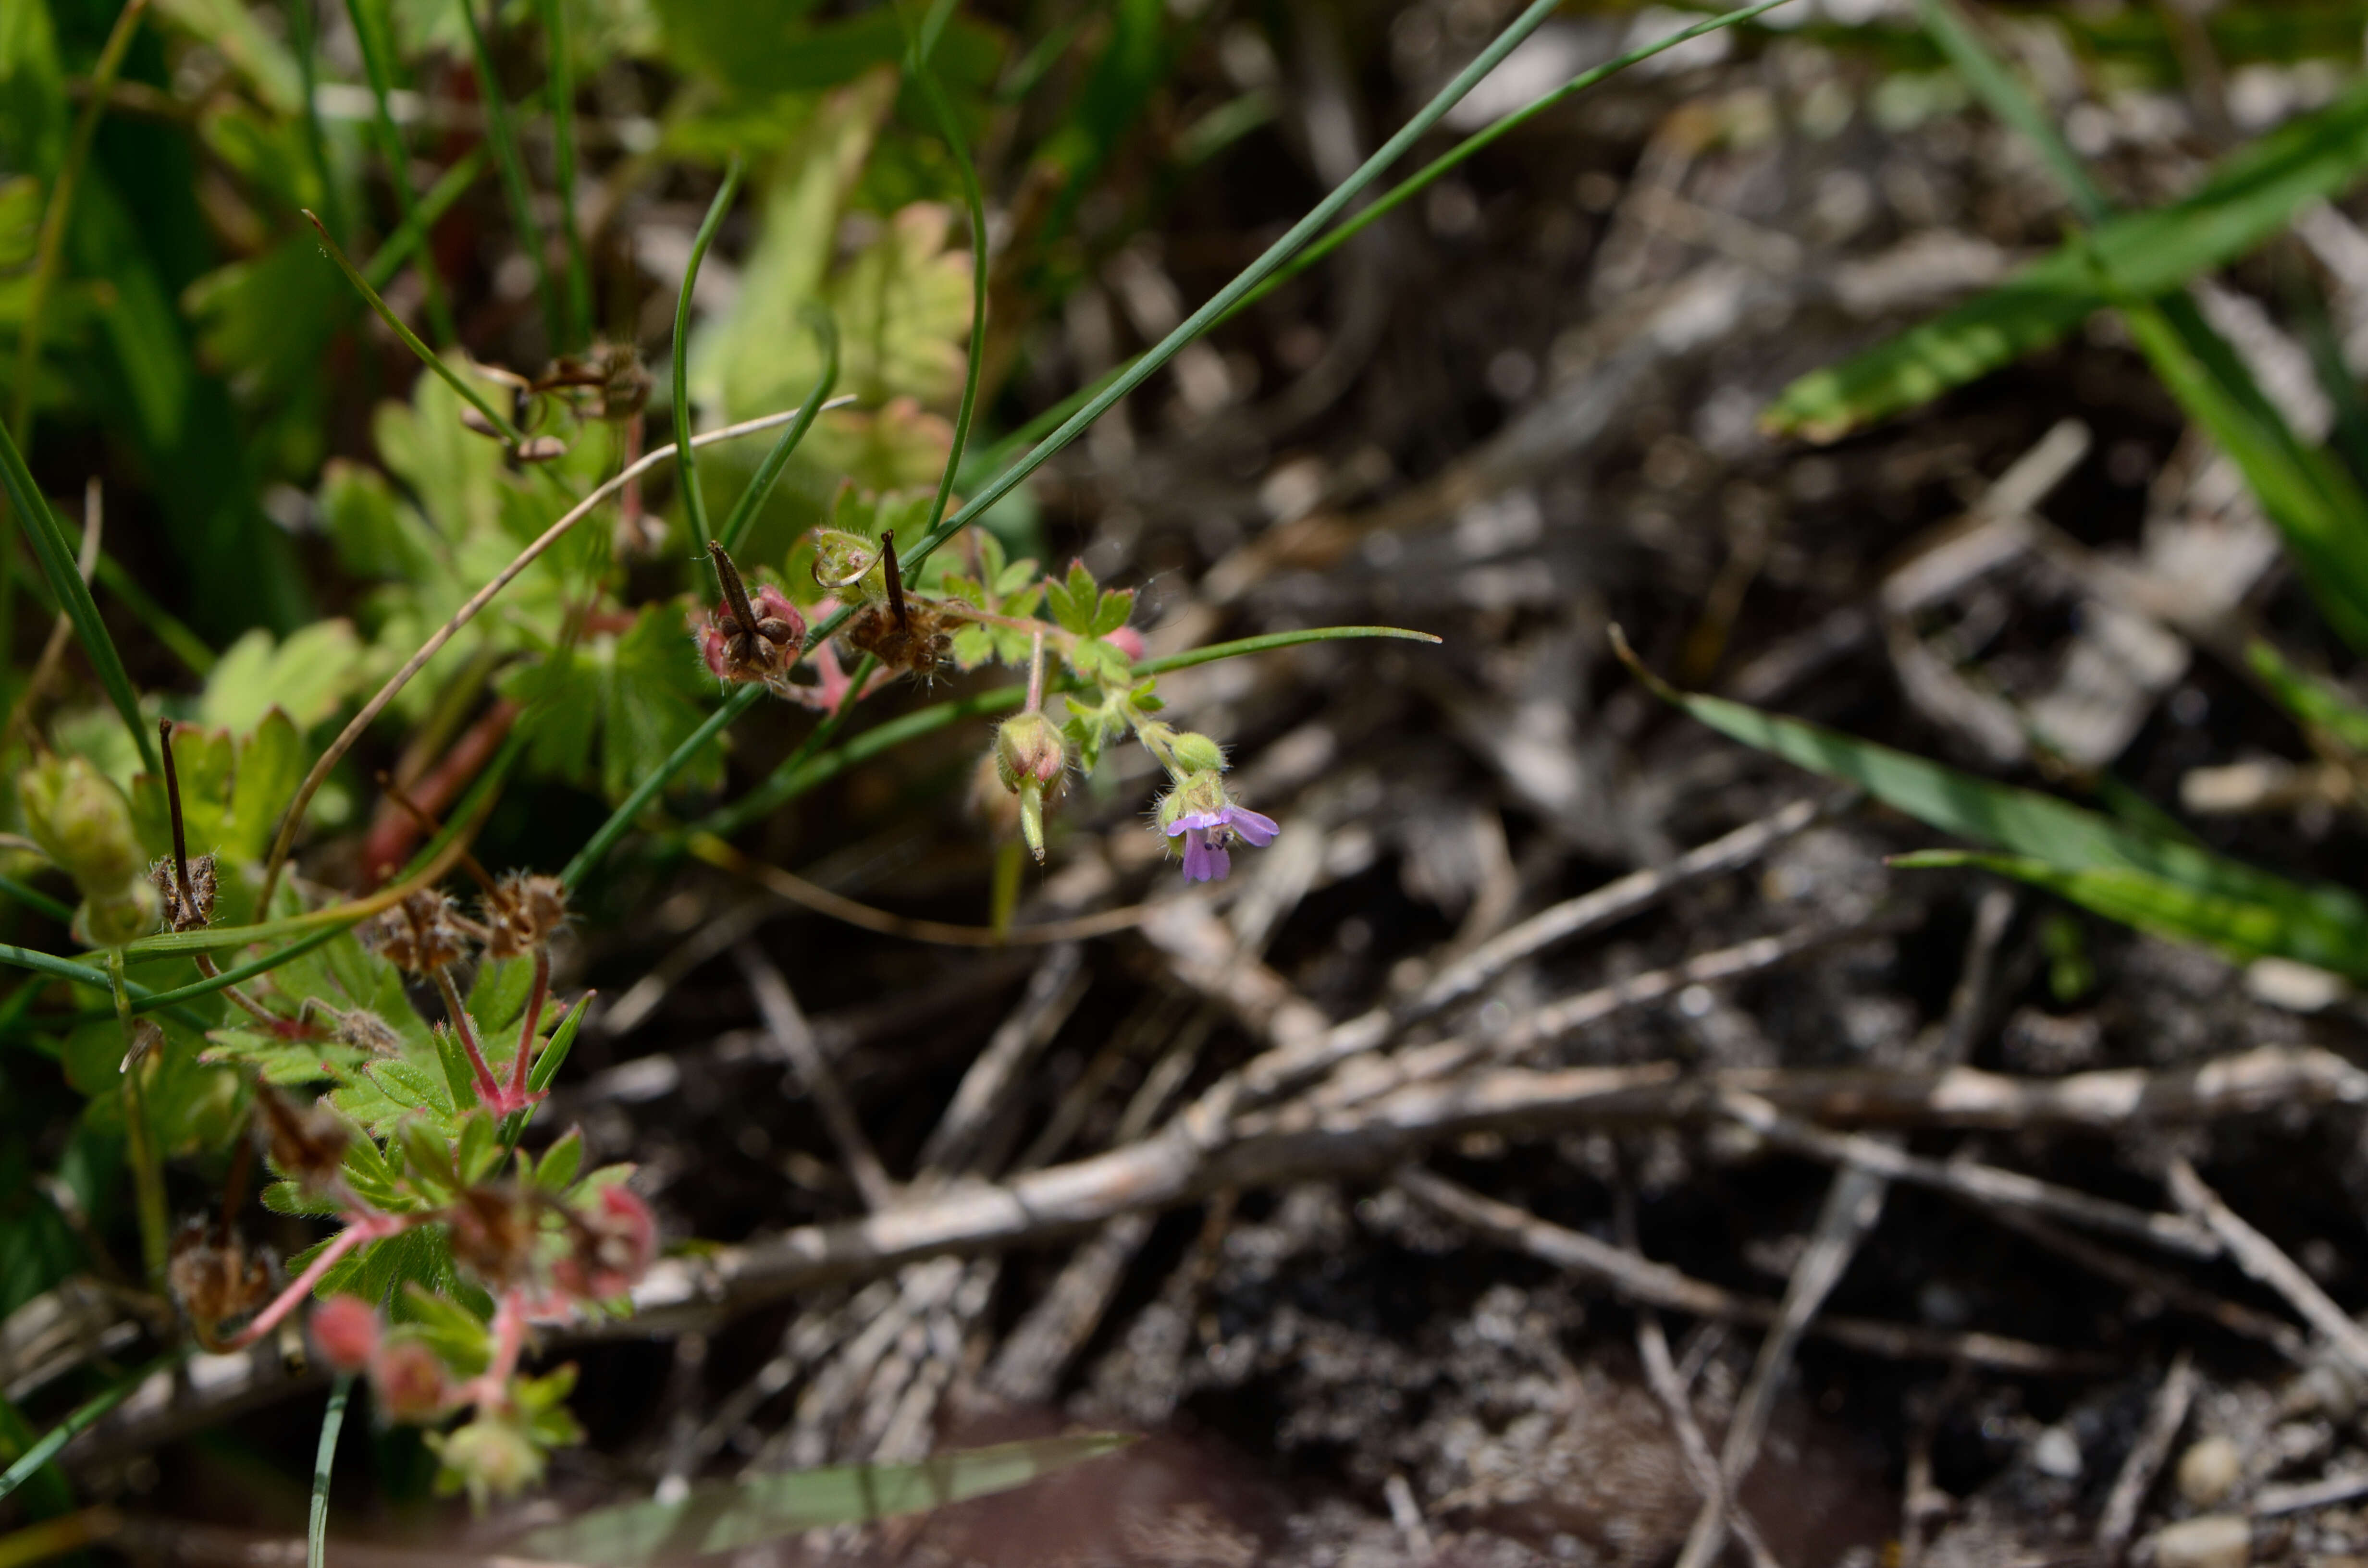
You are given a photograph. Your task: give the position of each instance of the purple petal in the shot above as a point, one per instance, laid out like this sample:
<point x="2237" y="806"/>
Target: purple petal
<point x="1196" y="822"/>
<point x="1257" y="831"/>
<point x="1203" y="863"/>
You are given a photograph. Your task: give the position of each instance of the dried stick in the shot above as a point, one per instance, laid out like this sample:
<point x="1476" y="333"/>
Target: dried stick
<point x="1981" y="1185"/>
<point x="794" y="1037"/>
<point x="1053" y="991"/>
<point x="2265" y="1261"/>
<point x="1853" y="1203"/>
<point x="362" y="721"/>
<point x="1639" y="1280"/>
<point x="2165" y="1416"/>
<point x="1204" y="1149"/>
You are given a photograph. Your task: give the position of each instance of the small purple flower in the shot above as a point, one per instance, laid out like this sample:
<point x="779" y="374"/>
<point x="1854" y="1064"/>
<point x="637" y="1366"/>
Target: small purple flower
<point x="1206" y="834"/>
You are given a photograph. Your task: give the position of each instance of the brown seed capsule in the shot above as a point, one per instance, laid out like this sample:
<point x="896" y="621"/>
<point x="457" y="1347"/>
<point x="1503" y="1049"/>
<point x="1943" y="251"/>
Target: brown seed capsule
<point x="367" y="1031"/>
<point x="423" y="934"/>
<point x="215" y="1281"/>
<point x="307" y="1143"/>
<point x="521" y="912"/>
<point x="197" y="910"/>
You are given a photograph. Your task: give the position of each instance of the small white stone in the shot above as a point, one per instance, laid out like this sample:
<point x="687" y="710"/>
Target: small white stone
<point x="2058" y="1453"/>
<point x="2216" y="1541"/>
<point x="2209" y="1471"/>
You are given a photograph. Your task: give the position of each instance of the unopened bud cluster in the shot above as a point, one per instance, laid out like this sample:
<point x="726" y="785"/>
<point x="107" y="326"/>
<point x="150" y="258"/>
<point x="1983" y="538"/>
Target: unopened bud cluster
<point x="82" y="822"/>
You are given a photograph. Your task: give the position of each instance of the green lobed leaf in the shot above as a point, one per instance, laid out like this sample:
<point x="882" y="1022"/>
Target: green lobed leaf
<point x="767" y="1508"/>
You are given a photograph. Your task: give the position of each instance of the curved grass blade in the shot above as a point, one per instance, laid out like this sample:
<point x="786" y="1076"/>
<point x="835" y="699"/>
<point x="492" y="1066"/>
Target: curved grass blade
<point x="56" y="553"/>
<point x="37" y="900"/>
<point x="410" y="339"/>
<point x="2118" y="866"/>
<point x="398" y="169"/>
<point x="622" y="820"/>
<point x="685" y="456"/>
<point x="2310" y="700"/>
<point x="1987" y="75"/>
<point x="744" y="511"/>
<point x="766" y="1507"/>
<point x="449" y="187"/>
<point x="316" y="145"/>
<point x="332" y="1421"/>
<point x="513" y="169"/>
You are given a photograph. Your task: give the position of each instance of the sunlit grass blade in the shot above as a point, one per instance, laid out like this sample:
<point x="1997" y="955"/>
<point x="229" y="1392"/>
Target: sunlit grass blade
<point x="760" y="1509"/>
<point x="2118" y="866"/>
<point x="513" y="169"/>
<point x="1995" y="84"/>
<point x="685" y="456"/>
<point x="398" y="164"/>
<point x="621" y="821"/>
<point x="55" y="554"/>
<point x="332" y="1421"/>
<point x="410" y="339"/>
<point x="50" y="1494"/>
<point x="2312" y="701"/>
<point x="2250" y="196"/>
<point x="744" y="511"/>
<point x="561" y="92"/>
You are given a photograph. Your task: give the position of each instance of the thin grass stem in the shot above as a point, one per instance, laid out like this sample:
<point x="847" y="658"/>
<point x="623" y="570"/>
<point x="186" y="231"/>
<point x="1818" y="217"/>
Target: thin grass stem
<point x="744" y="511"/>
<point x="561" y="92"/>
<point x="300" y="30"/>
<point x="513" y="170"/>
<point x="398" y="169"/>
<point x="694" y="503"/>
<point x="332" y="1421"/>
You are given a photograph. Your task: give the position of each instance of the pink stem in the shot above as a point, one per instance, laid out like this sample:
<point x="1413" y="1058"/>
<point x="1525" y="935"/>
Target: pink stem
<point x="489" y="1088"/>
<point x="492" y="1387"/>
<point x="372" y="1228"/>
<point x="535" y="999"/>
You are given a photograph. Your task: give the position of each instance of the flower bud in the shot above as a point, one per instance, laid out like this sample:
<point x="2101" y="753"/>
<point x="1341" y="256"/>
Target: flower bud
<point x="407" y="1380"/>
<point x="82" y="819"/>
<point x="848" y="564"/>
<point x="615" y="1245"/>
<point x="492" y="1457"/>
<point x="1127" y="641"/>
<point x="1196" y="752"/>
<point x="345" y="1332"/>
<point x="1028" y="748"/>
<point x="110" y="920"/>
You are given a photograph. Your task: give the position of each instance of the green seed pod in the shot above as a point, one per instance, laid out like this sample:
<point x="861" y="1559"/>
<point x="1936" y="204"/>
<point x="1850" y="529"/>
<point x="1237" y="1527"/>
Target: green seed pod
<point x="75" y="814"/>
<point x="1028" y="748"/>
<point x="1196" y="752"/>
<point x="848" y="566"/>
<point x="112" y="919"/>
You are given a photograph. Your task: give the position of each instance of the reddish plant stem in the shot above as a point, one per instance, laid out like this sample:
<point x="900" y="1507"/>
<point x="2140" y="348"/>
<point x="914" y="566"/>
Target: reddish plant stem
<point x="394" y="833"/>
<point x="530" y="1023"/>
<point x="361" y="1228"/>
<point x="489" y="1088"/>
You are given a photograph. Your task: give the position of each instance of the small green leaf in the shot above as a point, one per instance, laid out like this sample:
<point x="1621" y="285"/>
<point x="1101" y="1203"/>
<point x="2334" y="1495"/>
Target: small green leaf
<point x="1111" y="613"/>
<point x="560" y="1162"/>
<point x="767" y="1508"/>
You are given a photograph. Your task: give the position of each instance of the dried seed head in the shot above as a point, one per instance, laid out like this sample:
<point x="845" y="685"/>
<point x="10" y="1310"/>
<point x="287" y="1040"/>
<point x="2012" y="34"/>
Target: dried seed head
<point x="367" y="1031"/>
<point x="521" y="912"/>
<point x="307" y="1143"/>
<point x="494" y="1231"/>
<point x="345" y="1333"/>
<point x="750" y="636"/>
<point x="197" y="910"/>
<point x="917" y="642"/>
<point x="616" y="1239"/>
<point x="215" y="1281"/>
<point x="423" y="934"/>
<point x="407" y="1380"/>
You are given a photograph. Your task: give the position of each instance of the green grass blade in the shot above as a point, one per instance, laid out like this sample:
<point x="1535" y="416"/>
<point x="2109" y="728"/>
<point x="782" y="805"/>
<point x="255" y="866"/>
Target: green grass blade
<point x="332" y="1421"/>
<point x="1416" y="183"/>
<point x="2242" y="928"/>
<point x="398" y="166"/>
<point x="1995" y="84"/>
<point x="410" y="339"/>
<point x="513" y="168"/>
<point x="1224" y="300"/>
<point x="744" y="511"/>
<point x="766" y="1507"/>
<point x="685" y="456"/>
<point x="55" y="554"/>
<point x="916" y="67"/>
<point x="621" y="821"/>
<point x="2314" y="501"/>
<point x="449" y="187"/>
<point x="561" y="92"/>
<point x="301" y="31"/>
<point x="2112" y="862"/>
<point x="67" y="1431"/>
<point x="2248" y="197"/>
<point x="2310" y="700"/>
<point x="168" y="627"/>
<point x="37" y="900"/>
